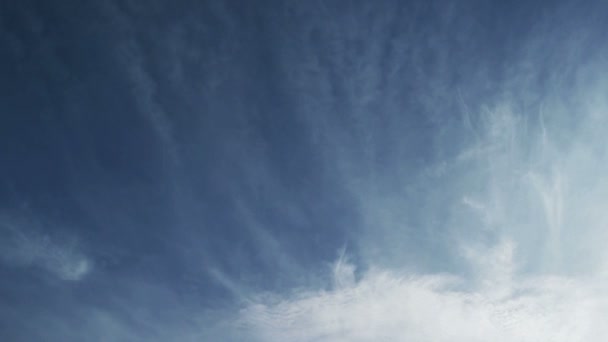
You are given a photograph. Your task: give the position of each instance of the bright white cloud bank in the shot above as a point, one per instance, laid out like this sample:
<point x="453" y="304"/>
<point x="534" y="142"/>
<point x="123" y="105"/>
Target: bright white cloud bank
<point x="389" y="306"/>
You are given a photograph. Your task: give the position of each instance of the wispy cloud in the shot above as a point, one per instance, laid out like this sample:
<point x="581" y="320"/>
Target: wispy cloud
<point x="514" y="195"/>
<point x="30" y="247"/>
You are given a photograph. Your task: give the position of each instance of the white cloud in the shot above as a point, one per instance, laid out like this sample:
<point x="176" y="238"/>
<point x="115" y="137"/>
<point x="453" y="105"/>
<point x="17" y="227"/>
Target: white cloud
<point x="386" y="305"/>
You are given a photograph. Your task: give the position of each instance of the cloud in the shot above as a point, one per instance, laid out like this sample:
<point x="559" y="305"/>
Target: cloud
<point x="23" y="246"/>
<point x="517" y="189"/>
<point x="385" y="305"/>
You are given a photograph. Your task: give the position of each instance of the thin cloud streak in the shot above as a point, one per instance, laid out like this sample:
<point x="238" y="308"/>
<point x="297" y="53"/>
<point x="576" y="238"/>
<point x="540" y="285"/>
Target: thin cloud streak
<point x="29" y="247"/>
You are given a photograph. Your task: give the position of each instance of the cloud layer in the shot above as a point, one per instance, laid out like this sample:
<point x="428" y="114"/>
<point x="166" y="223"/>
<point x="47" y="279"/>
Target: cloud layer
<point x="392" y="306"/>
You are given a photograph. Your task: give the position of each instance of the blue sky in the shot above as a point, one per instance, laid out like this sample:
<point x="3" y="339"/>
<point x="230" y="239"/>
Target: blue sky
<point x="303" y="171"/>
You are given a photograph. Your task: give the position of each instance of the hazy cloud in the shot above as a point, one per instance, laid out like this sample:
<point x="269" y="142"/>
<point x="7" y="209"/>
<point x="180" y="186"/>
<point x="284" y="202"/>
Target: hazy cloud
<point x="31" y="247"/>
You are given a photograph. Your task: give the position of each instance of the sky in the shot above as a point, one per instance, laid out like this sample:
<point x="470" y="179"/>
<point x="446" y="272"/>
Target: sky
<point x="324" y="170"/>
